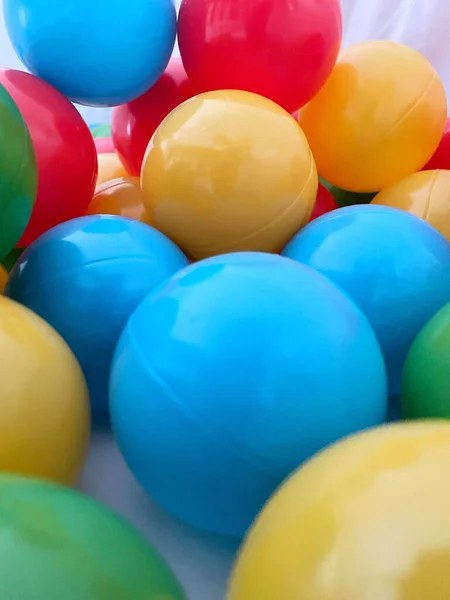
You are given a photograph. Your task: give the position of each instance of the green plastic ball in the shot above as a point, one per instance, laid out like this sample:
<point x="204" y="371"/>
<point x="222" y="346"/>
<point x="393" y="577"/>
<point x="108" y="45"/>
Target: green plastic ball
<point x="345" y="198"/>
<point x="100" y="131"/>
<point x="426" y="374"/>
<point x="57" y="544"/>
<point x="18" y="174"/>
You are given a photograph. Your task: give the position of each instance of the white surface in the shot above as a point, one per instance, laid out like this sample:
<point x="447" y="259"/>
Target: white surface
<point x="201" y="563"/>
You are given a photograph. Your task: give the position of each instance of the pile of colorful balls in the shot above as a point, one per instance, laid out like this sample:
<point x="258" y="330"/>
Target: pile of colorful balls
<point x="247" y="275"/>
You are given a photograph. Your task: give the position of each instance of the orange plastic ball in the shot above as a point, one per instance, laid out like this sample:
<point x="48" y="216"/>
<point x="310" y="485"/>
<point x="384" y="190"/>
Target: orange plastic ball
<point x="425" y="194"/>
<point x="229" y="171"/>
<point x="122" y="196"/>
<point x="379" y="117"/>
<point x="109" y="167"/>
<point x="3" y="278"/>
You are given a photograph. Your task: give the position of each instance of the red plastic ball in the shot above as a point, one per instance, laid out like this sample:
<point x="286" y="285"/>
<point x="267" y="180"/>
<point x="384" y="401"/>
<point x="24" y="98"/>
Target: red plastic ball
<point x="282" y="49"/>
<point x="441" y="157"/>
<point x="65" y="152"/>
<point x="134" y="124"/>
<point x="104" y="145"/>
<point x="325" y="203"/>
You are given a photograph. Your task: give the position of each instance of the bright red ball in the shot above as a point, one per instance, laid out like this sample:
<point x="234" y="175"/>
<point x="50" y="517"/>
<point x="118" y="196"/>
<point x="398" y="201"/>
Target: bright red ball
<point x="441" y="158"/>
<point x="65" y="152"/>
<point x="104" y="145"/>
<point x="282" y="49"/>
<point x="134" y="124"/>
<point x="325" y="203"/>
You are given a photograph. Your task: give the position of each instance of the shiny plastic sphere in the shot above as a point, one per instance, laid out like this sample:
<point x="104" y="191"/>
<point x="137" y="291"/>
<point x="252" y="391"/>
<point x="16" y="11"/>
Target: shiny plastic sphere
<point x="3" y="278"/>
<point x="426" y="376"/>
<point x="109" y="167"/>
<point x="121" y="197"/>
<point x="281" y="49"/>
<point x="236" y="371"/>
<point x="101" y="131"/>
<point x="218" y="175"/>
<point x="394" y="266"/>
<point x="346" y="198"/>
<point x="325" y="203"/>
<point x="367" y="518"/>
<point x="99" y="53"/>
<point x="378" y="118"/>
<point x="104" y="145"/>
<point x="85" y="277"/>
<point x="65" y="152"/>
<point x="134" y="124"/>
<point x="18" y="174"/>
<point x="61" y="544"/>
<point x="425" y="194"/>
<point x="441" y="157"/>
<point x="44" y="413"/>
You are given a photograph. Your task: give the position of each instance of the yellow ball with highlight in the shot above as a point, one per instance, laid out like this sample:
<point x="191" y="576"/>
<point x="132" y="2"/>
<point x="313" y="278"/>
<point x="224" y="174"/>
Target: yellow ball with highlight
<point x="229" y="171"/>
<point x="425" y="194"/>
<point x="44" y="406"/>
<point x="379" y="117"/>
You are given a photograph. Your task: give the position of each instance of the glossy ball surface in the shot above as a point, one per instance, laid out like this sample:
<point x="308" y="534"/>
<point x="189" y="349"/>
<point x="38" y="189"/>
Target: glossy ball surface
<point x="18" y="174"/>
<point x="218" y="175"/>
<point x="104" y="145"/>
<point x="65" y="152"/>
<point x="95" y="53"/>
<point x="441" y="157"/>
<point x="379" y="117"/>
<point x="79" y="549"/>
<point x="44" y="413"/>
<point x="324" y="204"/>
<point x="85" y="277"/>
<point x="232" y="374"/>
<point x="134" y="124"/>
<point x="230" y="45"/>
<point x="426" y="376"/>
<point x="314" y="538"/>
<point x="121" y="197"/>
<point x="109" y="167"/>
<point x="425" y="194"/>
<point x="393" y="265"/>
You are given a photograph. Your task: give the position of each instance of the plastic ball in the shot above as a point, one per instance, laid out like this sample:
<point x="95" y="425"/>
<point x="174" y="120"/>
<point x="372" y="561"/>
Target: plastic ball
<point x="218" y="175"/>
<point x="134" y="124"/>
<point x="12" y="257"/>
<point x="425" y="194"/>
<point x="3" y="278"/>
<point x="367" y="518"/>
<point x="85" y="277"/>
<point x="394" y="266"/>
<point x="109" y="167"/>
<point x="378" y="118"/>
<point x="101" y="131"/>
<point x="65" y="152"/>
<point x="426" y="376"/>
<point x="121" y="197"/>
<point x="325" y="203"/>
<point x="346" y="198"/>
<point x="441" y="157"/>
<point x="61" y="544"/>
<point x="232" y="374"/>
<point x="104" y="145"/>
<point x="44" y="418"/>
<point x="18" y="174"/>
<point x="110" y="56"/>
<point x="225" y="45"/>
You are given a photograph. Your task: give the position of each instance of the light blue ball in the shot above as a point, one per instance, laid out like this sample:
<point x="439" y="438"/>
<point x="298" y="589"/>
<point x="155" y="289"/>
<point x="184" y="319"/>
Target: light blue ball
<point x="232" y="374"/>
<point x="95" y="52"/>
<point x="86" y="277"/>
<point x="395" y="266"/>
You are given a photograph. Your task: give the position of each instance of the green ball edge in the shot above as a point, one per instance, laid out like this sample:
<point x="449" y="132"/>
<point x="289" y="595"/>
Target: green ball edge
<point x="345" y="198"/>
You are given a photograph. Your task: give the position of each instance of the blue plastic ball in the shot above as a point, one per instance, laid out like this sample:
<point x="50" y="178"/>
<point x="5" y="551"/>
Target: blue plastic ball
<point x="392" y="264"/>
<point x="234" y="372"/>
<point x="85" y="277"/>
<point x="95" y="52"/>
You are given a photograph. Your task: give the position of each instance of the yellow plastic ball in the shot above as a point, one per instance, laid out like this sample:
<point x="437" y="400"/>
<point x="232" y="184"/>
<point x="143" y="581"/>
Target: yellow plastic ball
<point x="425" y="194"/>
<point x="229" y="171"/>
<point x="122" y="196"/>
<point x="379" y="117"/>
<point x="44" y="406"/>
<point x="3" y="278"/>
<point x="367" y="519"/>
<point x="109" y="167"/>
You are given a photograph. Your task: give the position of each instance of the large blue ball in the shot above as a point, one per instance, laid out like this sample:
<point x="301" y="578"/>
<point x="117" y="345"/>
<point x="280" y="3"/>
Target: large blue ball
<point x="85" y="277"/>
<point x="395" y="266"/>
<point x="230" y="375"/>
<point x="95" y="52"/>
